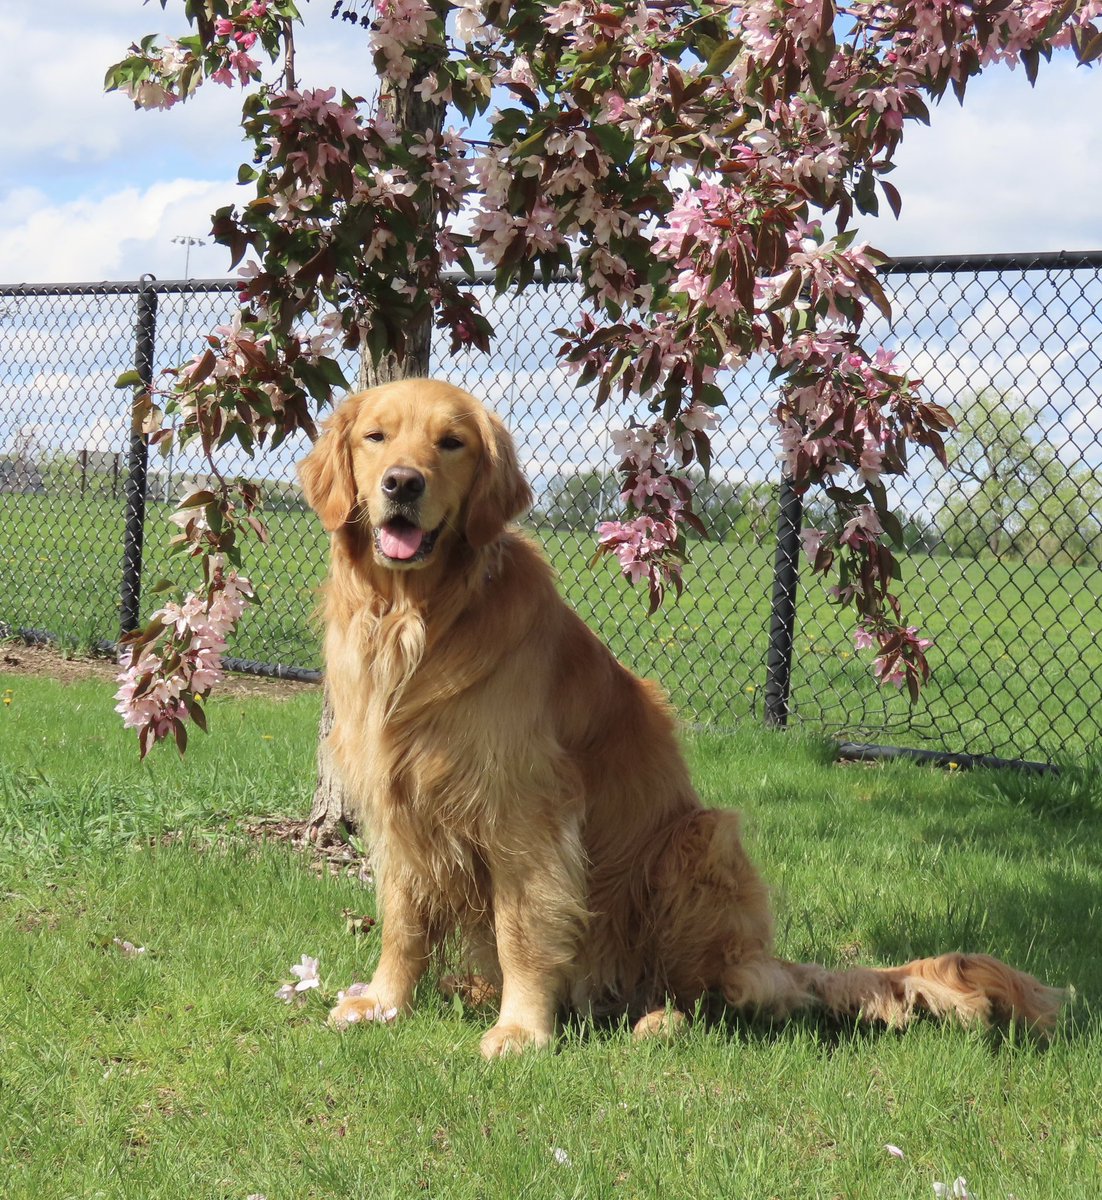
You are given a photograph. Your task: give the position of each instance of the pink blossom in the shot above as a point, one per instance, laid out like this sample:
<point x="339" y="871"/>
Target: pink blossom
<point x="149" y="94"/>
<point x="307" y="972"/>
<point x="812" y="540"/>
<point x="889" y="669"/>
<point x="150" y="700"/>
<point x="862" y="527"/>
<point x="863" y="638"/>
<point x="645" y="486"/>
<point x="128" y="948"/>
<point x="921" y="643"/>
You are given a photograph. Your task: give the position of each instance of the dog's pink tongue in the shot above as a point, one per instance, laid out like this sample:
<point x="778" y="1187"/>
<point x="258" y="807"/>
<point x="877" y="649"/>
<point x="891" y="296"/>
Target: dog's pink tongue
<point x="400" y="541"/>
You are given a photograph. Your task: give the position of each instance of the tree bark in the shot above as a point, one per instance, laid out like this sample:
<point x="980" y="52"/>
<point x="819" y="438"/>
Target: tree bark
<point x="332" y="817"/>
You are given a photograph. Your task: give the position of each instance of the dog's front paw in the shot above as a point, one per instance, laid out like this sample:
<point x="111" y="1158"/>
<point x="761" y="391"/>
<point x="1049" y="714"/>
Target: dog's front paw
<point x="361" y="1003"/>
<point x="512" y="1039"/>
<point x="661" y="1023"/>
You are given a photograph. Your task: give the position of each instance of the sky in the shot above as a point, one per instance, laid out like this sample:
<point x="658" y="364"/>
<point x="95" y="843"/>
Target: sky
<point x="91" y="189"/>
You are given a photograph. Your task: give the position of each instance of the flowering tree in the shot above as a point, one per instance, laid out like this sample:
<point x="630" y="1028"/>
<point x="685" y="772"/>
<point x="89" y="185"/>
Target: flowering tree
<point x="679" y="156"/>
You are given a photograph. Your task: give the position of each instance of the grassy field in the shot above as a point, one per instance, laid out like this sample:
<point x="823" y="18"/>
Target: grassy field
<point x="176" y="1073"/>
<point x="1017" y="662"/>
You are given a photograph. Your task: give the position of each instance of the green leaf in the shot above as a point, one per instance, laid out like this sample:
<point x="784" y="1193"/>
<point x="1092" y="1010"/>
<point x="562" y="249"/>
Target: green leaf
<point x="892" y="526"/>
<point x="790" y="289"/>
<point x="723" y="56"/>
<point x="330" y="371"/>
<point x="865" y="194"/>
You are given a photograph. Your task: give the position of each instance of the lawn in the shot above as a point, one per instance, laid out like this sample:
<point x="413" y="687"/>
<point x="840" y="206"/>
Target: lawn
<point x="177" y="1073"/>
<point x="1017" y="662"/>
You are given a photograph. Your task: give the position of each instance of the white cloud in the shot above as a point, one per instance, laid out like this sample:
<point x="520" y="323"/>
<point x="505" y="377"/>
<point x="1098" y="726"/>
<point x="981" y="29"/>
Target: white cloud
<point x="104" y="436"/>
<point x="121" y="235"/>
<point x="93" y="189"/>
<point x="1015" y="169"/>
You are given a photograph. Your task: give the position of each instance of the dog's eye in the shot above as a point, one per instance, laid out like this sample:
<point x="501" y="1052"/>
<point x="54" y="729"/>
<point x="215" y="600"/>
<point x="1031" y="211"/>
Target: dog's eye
<point x="376" y="435"/>
<point x="450" y="443"/>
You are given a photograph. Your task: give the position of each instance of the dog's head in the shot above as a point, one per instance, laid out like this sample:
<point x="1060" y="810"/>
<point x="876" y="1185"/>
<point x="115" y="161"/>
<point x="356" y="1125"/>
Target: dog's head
<point x="419" y="463"/>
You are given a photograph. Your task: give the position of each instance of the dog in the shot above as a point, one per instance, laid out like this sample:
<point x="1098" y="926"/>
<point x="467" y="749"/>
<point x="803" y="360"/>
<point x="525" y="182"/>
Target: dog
<point x="520" y="787"/>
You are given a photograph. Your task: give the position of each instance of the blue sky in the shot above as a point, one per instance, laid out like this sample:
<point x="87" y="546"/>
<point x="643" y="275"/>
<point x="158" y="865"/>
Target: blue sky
<point x="92" y="189"/>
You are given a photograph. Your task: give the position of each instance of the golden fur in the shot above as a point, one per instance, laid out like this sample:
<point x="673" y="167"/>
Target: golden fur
<point x="519" y="785"/>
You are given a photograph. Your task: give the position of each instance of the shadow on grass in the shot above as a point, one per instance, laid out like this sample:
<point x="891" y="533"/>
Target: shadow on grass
<point x="827" y="1033"/>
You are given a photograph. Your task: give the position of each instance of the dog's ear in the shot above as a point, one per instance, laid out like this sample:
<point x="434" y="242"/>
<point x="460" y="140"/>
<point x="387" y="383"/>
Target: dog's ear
<point x="326" y="472"/>
<point x="500" y="491"/>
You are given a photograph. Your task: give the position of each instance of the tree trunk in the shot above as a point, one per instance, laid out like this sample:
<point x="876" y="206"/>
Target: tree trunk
<point x="332" y="817"/>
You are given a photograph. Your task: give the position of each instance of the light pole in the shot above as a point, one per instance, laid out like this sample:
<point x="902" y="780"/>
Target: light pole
<point x="187" y="242"/>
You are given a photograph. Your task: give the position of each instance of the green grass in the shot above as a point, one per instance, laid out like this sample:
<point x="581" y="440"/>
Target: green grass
<point x="1017" y="665"/>
<point x="178" y="1074"/>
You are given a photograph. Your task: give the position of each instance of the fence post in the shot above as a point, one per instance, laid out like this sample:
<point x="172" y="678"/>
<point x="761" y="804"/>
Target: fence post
<point x="145" y="328"/>
<point x="782" y="620"/>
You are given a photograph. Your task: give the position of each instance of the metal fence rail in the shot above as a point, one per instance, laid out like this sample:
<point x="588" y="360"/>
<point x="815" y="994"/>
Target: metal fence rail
<point x="1001" y="564"/>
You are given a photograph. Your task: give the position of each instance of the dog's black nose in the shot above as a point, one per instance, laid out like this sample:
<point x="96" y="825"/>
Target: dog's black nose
<point x="403" y="484"/>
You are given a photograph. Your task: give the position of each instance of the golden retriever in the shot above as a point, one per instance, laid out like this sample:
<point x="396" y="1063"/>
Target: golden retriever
<point x="522" y="788"/>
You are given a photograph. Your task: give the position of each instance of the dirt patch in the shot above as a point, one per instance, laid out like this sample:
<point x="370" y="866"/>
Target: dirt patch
<point x="19" y="658"/>
<point x="336" y="858"/>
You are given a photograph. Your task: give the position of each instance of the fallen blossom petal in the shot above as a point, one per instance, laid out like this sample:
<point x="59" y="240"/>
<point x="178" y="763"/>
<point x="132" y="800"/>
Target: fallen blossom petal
<point x="894" y="1151"/>
<point x="128" y="948"/>
<point x="307" y="972"/>
<point x="561" y="1157"/>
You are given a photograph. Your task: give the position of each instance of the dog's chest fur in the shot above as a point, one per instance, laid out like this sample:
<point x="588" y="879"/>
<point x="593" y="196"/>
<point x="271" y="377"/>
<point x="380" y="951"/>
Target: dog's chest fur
<point x="403" y="742"/>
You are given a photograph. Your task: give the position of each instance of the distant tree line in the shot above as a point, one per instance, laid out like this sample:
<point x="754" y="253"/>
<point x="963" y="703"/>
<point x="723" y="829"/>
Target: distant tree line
<point x="1006" y="491"/>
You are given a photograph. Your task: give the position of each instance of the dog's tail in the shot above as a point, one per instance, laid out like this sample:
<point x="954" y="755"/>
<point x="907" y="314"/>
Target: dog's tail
<point x="971" y="988"/>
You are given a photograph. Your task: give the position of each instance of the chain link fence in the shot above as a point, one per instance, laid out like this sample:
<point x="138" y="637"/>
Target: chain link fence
<point x="1002" y="555"/>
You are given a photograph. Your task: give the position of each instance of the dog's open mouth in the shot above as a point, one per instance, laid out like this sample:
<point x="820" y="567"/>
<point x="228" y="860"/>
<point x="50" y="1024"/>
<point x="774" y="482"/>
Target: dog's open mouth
<point x="400" y="540"/>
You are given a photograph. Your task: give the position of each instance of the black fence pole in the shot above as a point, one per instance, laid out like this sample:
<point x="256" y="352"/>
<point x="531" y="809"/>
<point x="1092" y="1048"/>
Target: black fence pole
<point x="145" y="328"/>
<point x="782" y="621"/>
